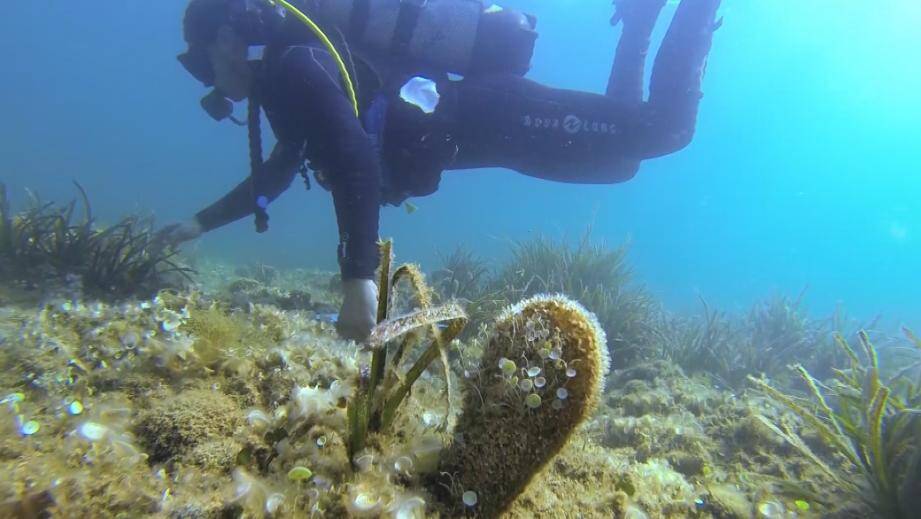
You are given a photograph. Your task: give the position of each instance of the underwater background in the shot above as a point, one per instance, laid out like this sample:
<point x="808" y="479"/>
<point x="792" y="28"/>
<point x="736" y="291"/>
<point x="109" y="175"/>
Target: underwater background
<point x="803" y="172"/>
<point x="730" y="335"/>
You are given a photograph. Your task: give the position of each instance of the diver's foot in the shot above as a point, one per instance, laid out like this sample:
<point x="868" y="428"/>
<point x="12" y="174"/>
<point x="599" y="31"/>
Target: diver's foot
<point x="637" y="13"/>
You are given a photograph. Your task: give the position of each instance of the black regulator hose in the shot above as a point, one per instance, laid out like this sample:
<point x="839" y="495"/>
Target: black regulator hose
<point x="256" y="164"/>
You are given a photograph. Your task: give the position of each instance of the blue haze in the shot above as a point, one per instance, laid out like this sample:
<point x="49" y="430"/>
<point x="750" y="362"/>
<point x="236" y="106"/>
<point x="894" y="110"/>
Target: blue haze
<point x="804" y="170"/>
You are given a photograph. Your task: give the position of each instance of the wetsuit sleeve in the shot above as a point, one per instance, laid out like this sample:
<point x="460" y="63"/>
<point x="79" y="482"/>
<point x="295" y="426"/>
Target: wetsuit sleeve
<point x="338" y="146"/>
<point x="279" y="171"/>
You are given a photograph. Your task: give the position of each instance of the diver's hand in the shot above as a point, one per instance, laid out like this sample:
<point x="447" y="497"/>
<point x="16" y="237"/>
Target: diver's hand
<point x="358" y="314"/>
<point x="177" y="233"/>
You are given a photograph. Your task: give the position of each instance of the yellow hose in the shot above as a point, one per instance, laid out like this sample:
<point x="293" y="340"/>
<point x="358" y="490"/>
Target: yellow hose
<point x="343" y="70"/>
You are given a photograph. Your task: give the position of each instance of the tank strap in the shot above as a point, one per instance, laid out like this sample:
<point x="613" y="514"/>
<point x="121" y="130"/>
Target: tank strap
<point x="374" y="119"/>
<point x="358" y="21"/>
<point x="374" y="122"/>
<point x="410" y="10"/>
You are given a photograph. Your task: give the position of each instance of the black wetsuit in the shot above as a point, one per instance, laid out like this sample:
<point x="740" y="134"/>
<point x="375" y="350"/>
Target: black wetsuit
<point x="492" y="121"/>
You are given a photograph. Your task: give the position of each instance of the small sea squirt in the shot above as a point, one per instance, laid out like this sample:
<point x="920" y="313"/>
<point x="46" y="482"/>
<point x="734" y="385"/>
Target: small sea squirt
<point x="363" y="501"/>
<point x="407" y="506"/>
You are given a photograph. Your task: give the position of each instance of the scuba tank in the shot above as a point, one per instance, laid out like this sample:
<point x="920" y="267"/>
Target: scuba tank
<point x="458" y="36"/>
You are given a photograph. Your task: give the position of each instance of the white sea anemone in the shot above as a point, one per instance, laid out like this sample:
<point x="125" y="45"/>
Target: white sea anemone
<point x="407" y="506"/>
<point x="274" y="502"/>
<point x="310" y="402"/>
<point x="254" y="495"/>
<point x="258" y="420"/>
<point x="118" y="443"/>
<point x="363" y="501"/>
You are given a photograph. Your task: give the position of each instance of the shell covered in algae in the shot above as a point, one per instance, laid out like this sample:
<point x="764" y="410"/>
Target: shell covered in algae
<point x="508" y="431"/>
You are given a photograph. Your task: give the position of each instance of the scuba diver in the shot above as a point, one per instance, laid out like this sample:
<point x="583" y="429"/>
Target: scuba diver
<point x="379" y="97"/>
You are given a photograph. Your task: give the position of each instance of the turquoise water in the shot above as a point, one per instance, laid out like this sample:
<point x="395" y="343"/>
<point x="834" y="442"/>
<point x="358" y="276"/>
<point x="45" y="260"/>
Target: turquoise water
<point x="804" y="170"/>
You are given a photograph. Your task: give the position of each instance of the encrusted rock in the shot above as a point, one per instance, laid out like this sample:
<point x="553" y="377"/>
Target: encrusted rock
<point x="176" y="426"/>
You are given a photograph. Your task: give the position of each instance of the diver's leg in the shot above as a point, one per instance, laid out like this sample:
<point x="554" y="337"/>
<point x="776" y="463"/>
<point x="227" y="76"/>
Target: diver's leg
<point x="674" y="90"/>
<point x="554" y="134"/>
<point x="625" y="84"/>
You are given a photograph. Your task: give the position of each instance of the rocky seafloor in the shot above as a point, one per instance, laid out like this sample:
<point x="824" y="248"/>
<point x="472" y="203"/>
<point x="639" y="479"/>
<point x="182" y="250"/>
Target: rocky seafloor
<point x="230" y="401"/>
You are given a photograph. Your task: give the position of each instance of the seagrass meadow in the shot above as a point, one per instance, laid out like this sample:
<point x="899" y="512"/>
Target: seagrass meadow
<point x="481" y="393"/>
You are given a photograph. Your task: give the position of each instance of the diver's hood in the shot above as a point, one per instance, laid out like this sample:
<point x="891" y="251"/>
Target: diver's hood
<point x="257" y="22"/>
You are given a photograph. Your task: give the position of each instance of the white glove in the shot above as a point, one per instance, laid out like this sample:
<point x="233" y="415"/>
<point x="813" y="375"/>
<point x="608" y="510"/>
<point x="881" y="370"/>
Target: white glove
<point x="358" y="314"/>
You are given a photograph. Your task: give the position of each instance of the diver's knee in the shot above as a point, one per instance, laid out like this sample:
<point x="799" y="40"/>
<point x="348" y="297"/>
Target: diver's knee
<point x="679" y="140"/>
<point x="671" y="141"/>
<point x="623" y="171"/>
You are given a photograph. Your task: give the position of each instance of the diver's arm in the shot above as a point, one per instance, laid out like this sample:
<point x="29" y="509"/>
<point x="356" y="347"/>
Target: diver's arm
<point x="338" y="146"/>
<point x="336" y="143"/>
<point x="279" y="171"/>
<point x="356" y="197"/>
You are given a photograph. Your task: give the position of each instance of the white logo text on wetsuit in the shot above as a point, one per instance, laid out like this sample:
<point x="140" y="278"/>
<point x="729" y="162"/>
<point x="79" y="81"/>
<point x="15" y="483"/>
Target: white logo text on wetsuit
<point x="570" y="124"/>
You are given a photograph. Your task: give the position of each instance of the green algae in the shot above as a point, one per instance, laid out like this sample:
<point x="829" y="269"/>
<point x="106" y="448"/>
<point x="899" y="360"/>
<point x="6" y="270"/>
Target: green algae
<point x="727" y="348"/>
<point x="870" y="427"/>
<point x="300" y="473"/>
